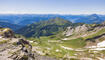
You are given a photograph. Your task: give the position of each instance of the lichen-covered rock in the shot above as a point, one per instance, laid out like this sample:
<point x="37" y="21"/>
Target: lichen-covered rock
<point x="25" y="51"/>
<point x="6" y="33"/>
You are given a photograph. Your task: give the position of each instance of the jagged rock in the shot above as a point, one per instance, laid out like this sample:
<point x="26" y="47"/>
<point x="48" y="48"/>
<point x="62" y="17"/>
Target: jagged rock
<point x="25" y="52"/>
<point x="6" y="33"/>
<point x="70" y="30"/>
<point x="82" y="28"/>
<point x="17" y="48"/>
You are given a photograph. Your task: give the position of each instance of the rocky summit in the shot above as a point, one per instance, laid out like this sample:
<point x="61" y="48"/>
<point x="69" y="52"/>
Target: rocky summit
<point x="14" y="48"/>
<point x="6" y="33"/>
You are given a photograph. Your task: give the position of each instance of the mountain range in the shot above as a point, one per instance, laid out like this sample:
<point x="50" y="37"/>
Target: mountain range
<point x="24" y="19"/>
<point x="9" y="25"/>
<point x="17" y="21"/>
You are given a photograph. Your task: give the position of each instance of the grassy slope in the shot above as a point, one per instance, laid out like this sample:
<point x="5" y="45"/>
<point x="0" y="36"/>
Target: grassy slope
<point x="44" y="44"/>
<point x="73" y="43"/>
<point x="100" y="32"/>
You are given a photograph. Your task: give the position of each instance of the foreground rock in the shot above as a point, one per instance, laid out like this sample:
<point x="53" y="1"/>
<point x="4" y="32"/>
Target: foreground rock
<point x="17" y="48"/>
<point x="6" y="33"/>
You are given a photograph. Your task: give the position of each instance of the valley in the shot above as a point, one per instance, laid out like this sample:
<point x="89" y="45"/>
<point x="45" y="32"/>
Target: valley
<point x="73" y="47"/>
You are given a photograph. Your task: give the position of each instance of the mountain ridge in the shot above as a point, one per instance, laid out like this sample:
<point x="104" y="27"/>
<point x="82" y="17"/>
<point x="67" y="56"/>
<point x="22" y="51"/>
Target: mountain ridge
<point x="46" y="28"/>
<point x="24" y="19"/>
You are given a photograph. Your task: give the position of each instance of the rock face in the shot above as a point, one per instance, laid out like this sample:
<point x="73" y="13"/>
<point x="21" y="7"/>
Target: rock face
<point x="70" y="31"/>
<point x="25" y="51"/>
<point x="82" y="28"/>
<point x="6" y="33"/>
<point x="17" y="48"/>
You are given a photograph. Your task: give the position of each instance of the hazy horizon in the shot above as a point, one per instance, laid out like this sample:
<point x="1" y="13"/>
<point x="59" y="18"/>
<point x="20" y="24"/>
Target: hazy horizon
<point x="74" y="7"/>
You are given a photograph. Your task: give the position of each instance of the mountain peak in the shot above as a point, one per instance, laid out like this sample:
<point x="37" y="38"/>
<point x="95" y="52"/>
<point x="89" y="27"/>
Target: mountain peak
<point x="45" y="28"/>
<point x="58" y="20"/>
<point x="95" y="15"/>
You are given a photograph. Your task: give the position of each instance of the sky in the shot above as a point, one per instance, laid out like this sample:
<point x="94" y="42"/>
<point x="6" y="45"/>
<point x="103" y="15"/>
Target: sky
<point x="52" y="6"/>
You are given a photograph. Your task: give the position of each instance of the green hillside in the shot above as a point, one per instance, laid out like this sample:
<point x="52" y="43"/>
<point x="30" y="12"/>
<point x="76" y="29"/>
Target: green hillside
<point x="45" y="28"/>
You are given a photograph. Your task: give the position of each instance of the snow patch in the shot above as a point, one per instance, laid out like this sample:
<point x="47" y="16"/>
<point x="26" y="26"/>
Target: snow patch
<point x="101" y="44"/>
<point x="65" y="39"/>
<point x="67" y="48"/>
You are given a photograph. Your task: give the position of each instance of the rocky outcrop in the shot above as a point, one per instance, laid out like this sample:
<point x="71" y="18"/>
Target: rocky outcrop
<point x="70" y="30"/>
<point x="17" y="48"/>
<point x="6" y="33"/>
<point x="24" y="52"/>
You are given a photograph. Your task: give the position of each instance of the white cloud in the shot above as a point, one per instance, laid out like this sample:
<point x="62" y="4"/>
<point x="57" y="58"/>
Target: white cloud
<point x="45" y="12"/>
